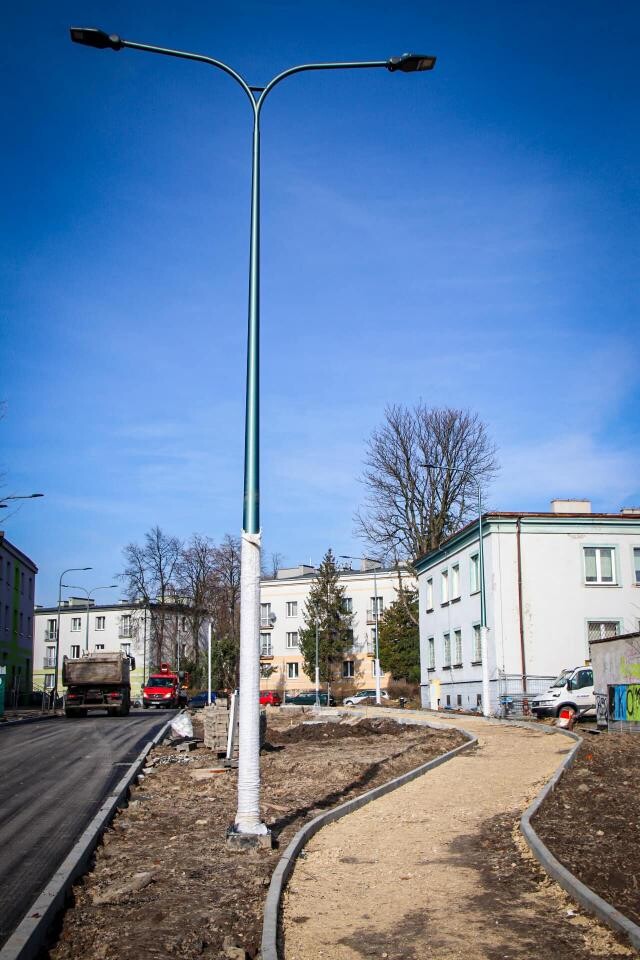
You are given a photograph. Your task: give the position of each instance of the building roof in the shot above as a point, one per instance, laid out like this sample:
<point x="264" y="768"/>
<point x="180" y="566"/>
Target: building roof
<point x="18" y="554"/>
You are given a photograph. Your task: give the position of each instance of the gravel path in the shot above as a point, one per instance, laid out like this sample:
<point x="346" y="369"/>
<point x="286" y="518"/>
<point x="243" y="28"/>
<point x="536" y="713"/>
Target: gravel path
<point x="437" y="869"/>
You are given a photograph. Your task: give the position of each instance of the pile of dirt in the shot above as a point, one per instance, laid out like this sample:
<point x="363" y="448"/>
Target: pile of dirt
<point x="164" y="882"/>
<point x="591" y="821"/>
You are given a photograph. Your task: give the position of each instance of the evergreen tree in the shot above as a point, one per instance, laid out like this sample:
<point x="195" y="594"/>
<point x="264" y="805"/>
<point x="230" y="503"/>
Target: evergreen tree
<point x="399" y="641"/>
<point x="325" y="607"/>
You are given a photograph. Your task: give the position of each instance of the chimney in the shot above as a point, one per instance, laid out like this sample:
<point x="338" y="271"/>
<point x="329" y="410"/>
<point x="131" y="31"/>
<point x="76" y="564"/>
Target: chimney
<point x="571" y="506"/>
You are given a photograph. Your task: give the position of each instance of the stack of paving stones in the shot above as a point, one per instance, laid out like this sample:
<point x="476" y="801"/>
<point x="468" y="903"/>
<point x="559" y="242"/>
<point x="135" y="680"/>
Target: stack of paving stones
<point x="216" y="727"/>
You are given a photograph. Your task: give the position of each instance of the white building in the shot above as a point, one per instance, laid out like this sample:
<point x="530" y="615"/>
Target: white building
<point x="283" y="600"/>
<point x="17" y="588"/>
<point x="553" y="581"/>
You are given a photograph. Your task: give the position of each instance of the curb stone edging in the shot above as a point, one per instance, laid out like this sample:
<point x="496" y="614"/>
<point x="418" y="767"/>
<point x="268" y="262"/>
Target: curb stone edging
<point x="580" y="892"/>
<point x="29" y="936"/>
<point x="5" y="724"/>
<point x="287" y="861"/>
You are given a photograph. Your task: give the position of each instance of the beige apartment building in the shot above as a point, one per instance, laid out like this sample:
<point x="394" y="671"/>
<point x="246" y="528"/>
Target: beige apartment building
<point x="282" y="606"/>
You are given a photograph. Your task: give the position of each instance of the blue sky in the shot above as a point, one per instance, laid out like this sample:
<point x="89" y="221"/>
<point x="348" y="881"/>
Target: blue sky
<point x="467" y="237"/>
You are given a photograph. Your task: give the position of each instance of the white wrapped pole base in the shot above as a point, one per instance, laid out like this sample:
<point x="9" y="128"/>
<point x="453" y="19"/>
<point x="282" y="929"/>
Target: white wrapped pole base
<point x="248" y="815"/>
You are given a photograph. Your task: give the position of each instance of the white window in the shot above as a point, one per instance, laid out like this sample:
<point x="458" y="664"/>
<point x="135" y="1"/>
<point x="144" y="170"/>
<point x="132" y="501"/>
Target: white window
<point x="292" y="640"/>
<point x="446" y="651"/>
<point x="74" y="651"/>
<point x="431" y="653"/>
<point x="99" y="646"/>
<point x="347" y="605"/>
<point x="126" y="649"/>
<point x="100" y="623"/>
<point x="455" y="581"/>
<point x="50" y="657"/>
<point x="474" y="573"/>
<point x="476" y="654"/>
<point x="265" y="645"/>
<point x="125" y="626"/>
<point x="76" y="623"/>
<point x="430" y="594"/>
<point x="457" y="639"/>
<point x="636" y="565"/>
<point x="444" y="587"/>
<point x="292" y="608"/>
<point x="52" y="629"/>
<point x="292" y="671"/>
<point x="600" y="629"/>
<point x="599" y="564"/>
<point x="265" y="615"/>
<point x="374" y="634"/>
<point x="348" y="669"/>
<point x="48" y="681"/>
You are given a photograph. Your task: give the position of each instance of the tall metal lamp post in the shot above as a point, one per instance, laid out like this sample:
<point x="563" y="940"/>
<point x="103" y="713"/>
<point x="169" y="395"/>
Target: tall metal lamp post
<point x="484" y="632"/>
<point x="247" y="819"/>
<point x="345" y="556"/>
<point x="55" y="681"/>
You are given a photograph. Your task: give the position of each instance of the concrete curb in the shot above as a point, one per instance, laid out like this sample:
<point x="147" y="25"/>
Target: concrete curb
<point x="5" y="724"/>
<point x="28" y="938"/>
<point x="584" y="895"/>
<point x="286" y="862"/>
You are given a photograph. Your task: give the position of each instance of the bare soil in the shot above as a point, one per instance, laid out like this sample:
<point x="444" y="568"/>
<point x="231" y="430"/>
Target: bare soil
<point x="165" y="885"/>
<point x="591" y="821"/>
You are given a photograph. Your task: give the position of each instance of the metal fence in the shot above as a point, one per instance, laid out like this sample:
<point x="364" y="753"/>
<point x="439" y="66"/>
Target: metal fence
<point x="514" y="695"/>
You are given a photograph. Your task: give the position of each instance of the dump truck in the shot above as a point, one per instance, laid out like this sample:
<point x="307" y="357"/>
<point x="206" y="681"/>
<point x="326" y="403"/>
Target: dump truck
<point x="98" y="681"/>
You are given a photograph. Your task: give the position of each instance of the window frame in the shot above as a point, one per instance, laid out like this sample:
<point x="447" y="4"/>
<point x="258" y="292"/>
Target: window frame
<point x="446" y="651"/>
<point x="457" y="644"/>
<point x="74" y="656"/>
<point x="476" y="644"/>
<point x="348" y="669"/>
<point x="429" y="595"/>
<point x="292" y="608"/>
<point x="431" y="653"/>
<point x="635" y="581"/>
<point x="293" y="670"/>
<point x="100" y="622"/>
<point x="74" y="621"/>
<point x="599" y="582"/>
<point x="474" y="573"/>
<point x="289" y="644"/>
<point x="454" y="584"/>
<point x="444" y="587"/>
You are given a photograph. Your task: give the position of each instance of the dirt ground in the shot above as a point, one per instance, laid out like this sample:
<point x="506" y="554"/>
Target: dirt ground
<point x="438" y="870"/>
<point x="164" y="883"/>
<point x="591" y="821"/>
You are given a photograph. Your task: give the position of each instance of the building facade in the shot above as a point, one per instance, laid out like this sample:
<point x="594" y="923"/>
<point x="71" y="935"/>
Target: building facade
<point x="553" y="582"/>
<point x="282" y="606"/>
<point x="17" y="591"/>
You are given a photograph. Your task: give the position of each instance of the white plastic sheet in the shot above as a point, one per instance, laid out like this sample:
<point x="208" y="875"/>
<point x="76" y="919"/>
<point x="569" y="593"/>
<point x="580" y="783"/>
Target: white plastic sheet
<point x="181" y="726"/>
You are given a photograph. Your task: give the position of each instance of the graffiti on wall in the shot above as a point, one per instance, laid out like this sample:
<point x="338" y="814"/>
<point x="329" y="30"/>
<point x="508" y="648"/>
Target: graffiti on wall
<point x="602" y="709"/>
<point x="624" y="702"/>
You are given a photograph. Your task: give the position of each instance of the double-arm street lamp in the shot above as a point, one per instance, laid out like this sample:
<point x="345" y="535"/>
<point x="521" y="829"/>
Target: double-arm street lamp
<point x="88" y="596"/>
<point x="55" y="681"/>
<point x="484" y="633"/>
<point x="345" y="556"/>
<point x="247" y="819"/>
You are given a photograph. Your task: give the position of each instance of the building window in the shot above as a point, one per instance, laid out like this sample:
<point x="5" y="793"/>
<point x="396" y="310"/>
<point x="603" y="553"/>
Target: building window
<point x="76" y="623"/>
<point x="292" y="671"/>
<point x="48" y="681"/>
<point x="601" y="629"/>
<point x="457" y="639"/>
<point x="459" y="699"/>
<point x="22" y="581"/>
<point x="474" y="573"/>
<point x="636" y="565"/>
<point x="99" y="646"/>
<point x="476" y="654"/>
<point x="347" y="605"/>
<point x="292" y="608"/>
<point x="431" y="653"/>
<point x="455" y="582"/>
<point x="52" y="629"/>
<point x="292" y="640"/>
<point x="478" y="699"/>
<point x="599" y="565"/>
<point x="126" y="649"/>
<point x="49" y="657"/>
<point x="444" y="587"/>
<point x="348" y="670"/>
<point x="74" y="651"/>
<point x="100" y="623"/>
<point x="350" y="637"/>
<point x="265" y="645"/>
<point x="265" y="615"/>
<point x="125" y="626"/>
<point x="446" y="651"/>
<point x="429" y="594"/>
<point x="448" y="699"/>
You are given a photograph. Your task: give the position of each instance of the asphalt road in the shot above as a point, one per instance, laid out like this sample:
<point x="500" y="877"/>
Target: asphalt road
<point x="54" y="776"/>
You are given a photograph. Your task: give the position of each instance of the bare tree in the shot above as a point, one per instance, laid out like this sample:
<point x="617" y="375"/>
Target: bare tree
<point x="224" y="603"/>
<point x="411" y="508"/>
<point x="150" y="576"/>
<point x="195" y="582"/>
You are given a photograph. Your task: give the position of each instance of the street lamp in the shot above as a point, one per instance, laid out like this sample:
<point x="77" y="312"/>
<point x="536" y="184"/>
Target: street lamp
<point x="345" y="556"/>
<point x="247" y="819"/>
<point x="55" y="681"/>
<point x="486" y="705"/>
<point x="26" y="496"/>
<point x="89" y="595"/>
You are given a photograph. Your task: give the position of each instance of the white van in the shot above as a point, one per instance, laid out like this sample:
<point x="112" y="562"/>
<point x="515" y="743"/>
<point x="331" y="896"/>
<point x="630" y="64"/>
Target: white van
<point x="572" y="691"/>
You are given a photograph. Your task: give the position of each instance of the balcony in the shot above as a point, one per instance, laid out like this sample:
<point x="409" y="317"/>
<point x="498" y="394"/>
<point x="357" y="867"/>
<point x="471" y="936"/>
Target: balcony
<point x="266" y="652"/>
<point x="371" y="616"/>
<point x="50" y="636"/>
<point x="125" y="633"/>
<point x="48" y="662"/>
<point x="266" y="623"/>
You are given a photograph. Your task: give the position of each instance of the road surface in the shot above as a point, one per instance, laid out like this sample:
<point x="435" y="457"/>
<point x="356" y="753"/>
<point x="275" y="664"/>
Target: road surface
<point x="54" y="776"/>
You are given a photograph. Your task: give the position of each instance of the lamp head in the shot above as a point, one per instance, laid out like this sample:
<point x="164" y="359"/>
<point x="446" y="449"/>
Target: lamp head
<point x="92" y="37"/>
<point x="411" y="63"/>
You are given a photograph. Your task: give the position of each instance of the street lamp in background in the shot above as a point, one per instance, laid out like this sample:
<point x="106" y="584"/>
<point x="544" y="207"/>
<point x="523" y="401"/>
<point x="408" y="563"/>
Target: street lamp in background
<point x="89" y="596"/>
<point x="68" y="570"/>
<point x="247" y="819"/>
<point x="26" y="496"/>
<point x="484" y="633"/>
<point x="345" y="556"/>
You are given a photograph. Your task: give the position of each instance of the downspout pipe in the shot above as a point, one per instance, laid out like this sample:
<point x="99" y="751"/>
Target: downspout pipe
<point x="523" y="656"/>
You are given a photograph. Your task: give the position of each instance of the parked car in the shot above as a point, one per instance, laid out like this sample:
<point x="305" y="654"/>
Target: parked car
<point x="269" y="698"/>
<point x="362" y="696"/>
<point x="571" y="692"/>
<point x="308" y="699"/>
<point x="201" y="699"/>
